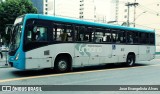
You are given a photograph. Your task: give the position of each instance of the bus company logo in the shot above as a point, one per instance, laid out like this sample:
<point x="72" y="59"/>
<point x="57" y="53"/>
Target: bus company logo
<point x="6" y="88"/>
<point x="88" y="49"/>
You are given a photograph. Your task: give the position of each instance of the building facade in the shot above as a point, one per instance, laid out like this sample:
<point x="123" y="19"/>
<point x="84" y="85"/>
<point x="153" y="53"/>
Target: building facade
<point x="44" y="6"/>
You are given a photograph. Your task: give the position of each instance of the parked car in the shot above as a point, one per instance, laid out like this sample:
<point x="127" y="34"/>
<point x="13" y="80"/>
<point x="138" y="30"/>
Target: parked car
<point x="4" y="48"/>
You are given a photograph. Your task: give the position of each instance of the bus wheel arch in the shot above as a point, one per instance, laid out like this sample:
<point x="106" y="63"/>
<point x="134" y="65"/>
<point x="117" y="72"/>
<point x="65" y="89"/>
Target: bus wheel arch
<point x="63" y="62"/>
<point x="130" y="60"/>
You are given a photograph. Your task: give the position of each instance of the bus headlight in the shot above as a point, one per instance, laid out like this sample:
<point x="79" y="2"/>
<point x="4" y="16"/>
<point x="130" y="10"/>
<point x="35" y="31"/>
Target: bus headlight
<point x="17" y="57"/>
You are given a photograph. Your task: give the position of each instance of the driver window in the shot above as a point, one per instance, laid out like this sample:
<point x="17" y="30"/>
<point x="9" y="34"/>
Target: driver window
<point x="38" y="34"/>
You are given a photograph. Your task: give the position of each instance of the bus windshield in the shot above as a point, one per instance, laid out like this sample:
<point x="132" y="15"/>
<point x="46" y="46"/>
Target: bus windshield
<point x="15" y="39"/>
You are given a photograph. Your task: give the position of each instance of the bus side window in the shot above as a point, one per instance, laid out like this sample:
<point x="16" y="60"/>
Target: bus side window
<point x="41" y="34"/>
<point x="152" y="40"/>
<point x="135" y="37"/>
<point x="130" y="37"/>
<point x="143" y="38"/>
<point x="114" y="37"/>
<point x="99" y="35"/>
<point x="29" y="36"/>
<point x="84" y="34"/>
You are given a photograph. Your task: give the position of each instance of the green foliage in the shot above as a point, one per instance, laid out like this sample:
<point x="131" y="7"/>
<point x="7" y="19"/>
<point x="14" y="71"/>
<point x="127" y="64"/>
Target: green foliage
<point x="11" y="9"/>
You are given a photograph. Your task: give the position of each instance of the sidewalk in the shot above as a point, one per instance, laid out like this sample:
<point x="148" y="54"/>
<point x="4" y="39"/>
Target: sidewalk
<point x="3" y="63"/>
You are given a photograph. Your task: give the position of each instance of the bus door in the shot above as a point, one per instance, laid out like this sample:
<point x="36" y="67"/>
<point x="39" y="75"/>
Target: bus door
<point x="38" y="53"/>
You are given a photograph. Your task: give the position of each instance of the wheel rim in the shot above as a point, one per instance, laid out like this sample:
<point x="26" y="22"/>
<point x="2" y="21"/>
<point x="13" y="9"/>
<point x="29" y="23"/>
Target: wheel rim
<point x="62" y="65"/>
<point x="130" y="61"/>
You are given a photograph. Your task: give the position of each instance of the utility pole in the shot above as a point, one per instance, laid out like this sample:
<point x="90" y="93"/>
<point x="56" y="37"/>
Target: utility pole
<point x="135" y="4"/>
<point x="54" y="9"/>
<point x="94" y="11"/>
<point x="117" y="10"/>
<point x="130" y="5"/>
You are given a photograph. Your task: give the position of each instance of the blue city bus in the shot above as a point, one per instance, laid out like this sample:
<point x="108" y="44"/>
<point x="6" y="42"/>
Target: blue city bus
<point x="41" y="41"/>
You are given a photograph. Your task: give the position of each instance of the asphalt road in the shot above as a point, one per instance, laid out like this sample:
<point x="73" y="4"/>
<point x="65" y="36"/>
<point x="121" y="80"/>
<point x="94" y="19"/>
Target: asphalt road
<point x="144" y="73"/>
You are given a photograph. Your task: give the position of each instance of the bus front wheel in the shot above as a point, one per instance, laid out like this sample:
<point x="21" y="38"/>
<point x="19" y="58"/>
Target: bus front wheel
<point x="130" y="60"/>
<point x="61" y="64"/>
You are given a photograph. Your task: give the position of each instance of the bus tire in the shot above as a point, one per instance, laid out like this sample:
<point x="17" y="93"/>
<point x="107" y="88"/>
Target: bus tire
<point x="130" y="60"/>
<point x="61" y="64"/>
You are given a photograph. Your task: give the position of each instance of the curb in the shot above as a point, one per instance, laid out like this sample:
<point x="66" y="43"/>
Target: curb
<point x="5" y="67"/>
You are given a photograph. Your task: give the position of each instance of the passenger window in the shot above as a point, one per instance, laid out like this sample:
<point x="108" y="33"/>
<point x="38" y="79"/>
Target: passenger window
<point x="152" y="38"/>
<point x="99" y="35"/>
<point x="84" y="34"/>
<point x="62" y="32"/>
<point x="41" y="34"/>
<point x="130" y="37"/>
<point x="122" y="36"/>
<point x="144" y="38"/>
<point x="115" y="36"/>
<point x="107" y="36"/>
<point x="135" y="37"/>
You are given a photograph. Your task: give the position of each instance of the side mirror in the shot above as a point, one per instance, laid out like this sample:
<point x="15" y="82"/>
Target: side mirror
<point x="6" y="30"/>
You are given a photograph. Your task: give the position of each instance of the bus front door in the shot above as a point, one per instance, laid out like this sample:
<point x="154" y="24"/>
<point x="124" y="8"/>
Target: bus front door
<point x="39" y="58"/>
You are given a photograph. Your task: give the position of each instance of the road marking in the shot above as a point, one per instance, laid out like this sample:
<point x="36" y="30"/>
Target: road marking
<point x="71" y="73"/>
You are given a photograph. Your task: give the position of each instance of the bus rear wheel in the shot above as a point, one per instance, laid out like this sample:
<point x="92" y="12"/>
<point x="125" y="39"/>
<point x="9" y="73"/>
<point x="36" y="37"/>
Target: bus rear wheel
<point x="130" y="60"/>
<point x="61" y="64"/>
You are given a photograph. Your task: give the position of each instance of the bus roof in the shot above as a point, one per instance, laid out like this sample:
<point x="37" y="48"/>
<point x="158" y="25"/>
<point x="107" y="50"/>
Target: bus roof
<point x="82" y="22"/>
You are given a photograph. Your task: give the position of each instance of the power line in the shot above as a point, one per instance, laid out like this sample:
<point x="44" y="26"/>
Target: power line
<point x="151" y="11"/>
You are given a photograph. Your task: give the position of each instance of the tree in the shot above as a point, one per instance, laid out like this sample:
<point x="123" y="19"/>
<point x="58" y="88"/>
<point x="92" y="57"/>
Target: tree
<point x="11" y="9"/>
